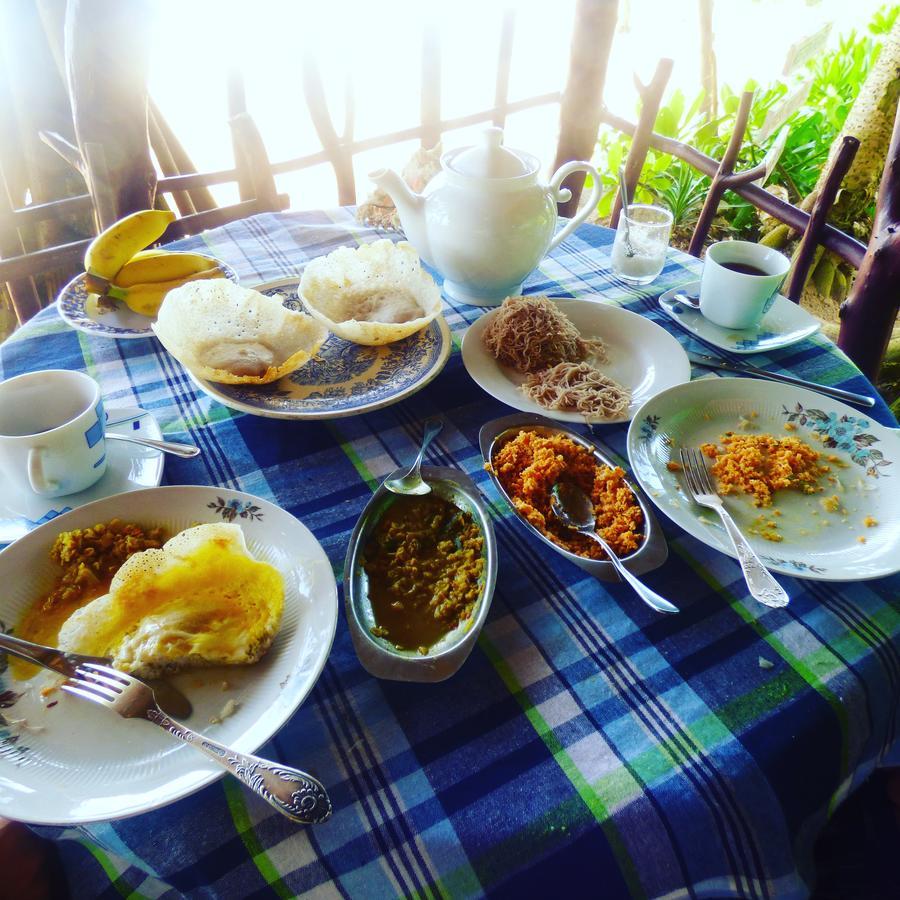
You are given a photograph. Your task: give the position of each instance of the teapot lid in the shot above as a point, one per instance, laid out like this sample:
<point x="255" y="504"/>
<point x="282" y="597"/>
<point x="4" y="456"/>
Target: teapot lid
<point x="490" y="159"/>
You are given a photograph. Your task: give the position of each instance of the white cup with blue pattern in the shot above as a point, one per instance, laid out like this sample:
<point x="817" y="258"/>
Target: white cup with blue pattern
<point x="52" y="432"/>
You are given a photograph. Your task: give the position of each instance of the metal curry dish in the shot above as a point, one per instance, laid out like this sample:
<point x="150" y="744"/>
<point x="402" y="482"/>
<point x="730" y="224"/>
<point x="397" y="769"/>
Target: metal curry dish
<point x="624" y="515"/>
<point x="418" y="578"/>
<point x="424" y="560"/>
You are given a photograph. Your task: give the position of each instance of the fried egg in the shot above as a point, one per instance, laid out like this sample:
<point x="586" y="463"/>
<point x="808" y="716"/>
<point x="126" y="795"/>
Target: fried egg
<point x="233" y="335"/>
<point x="374" y="294"/>
<point x="200" y="600"/>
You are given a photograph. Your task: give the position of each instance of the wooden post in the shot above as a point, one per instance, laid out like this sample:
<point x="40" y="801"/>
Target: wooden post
<point x="719" y="184"/>
<point x="869" y="313"/>
<point x="106" y="61"/>
<point x="806" y="249"/>
<point x="430" y="100"/>
<point x="504" y="62"/>
<point x="582" y="101"/>
<point x="651" y="97"/>
<point x="708" y="61"/>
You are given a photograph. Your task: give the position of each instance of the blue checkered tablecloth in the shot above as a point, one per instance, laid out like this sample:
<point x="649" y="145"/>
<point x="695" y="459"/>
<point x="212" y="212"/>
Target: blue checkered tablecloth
<point x="587" y="743"/>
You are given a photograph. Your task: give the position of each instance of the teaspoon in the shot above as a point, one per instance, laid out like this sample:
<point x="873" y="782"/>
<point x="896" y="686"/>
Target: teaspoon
<point x="185" y="451"/>
<point x="574" y="509"/>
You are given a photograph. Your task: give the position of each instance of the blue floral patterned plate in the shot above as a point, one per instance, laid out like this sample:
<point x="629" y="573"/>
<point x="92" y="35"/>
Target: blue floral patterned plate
<point x="108" y="318"/>
<point x="343" y="379"/>
<point x="849" y="531"/>
<point x="784" y="324"/>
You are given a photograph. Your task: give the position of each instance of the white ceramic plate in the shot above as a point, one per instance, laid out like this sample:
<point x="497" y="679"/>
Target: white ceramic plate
<point x="642" y="356"/>
<point x="89" y="765"/>
<point x="112" y="319"/>
<point x="343" y="379"/>
<point x="784" y="324"/>
<point x="129" y="468"/>
<point x="816" y="544"/>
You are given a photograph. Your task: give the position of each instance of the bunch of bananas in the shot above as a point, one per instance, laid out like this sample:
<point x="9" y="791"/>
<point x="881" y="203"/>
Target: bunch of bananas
<point x="117" y="265"/>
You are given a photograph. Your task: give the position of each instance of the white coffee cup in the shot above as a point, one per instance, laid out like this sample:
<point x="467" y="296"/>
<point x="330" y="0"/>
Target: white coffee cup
<point x="738" y="300"/>
<point x="52" y="431"/>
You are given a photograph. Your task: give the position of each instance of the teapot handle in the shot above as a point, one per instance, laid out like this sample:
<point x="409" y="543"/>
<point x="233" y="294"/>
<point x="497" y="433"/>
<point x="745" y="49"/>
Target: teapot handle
<point x="560" y="195"/>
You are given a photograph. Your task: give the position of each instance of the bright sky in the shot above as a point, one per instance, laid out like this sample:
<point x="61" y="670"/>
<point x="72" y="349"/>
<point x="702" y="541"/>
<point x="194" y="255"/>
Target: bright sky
<point x="377" y="46"/>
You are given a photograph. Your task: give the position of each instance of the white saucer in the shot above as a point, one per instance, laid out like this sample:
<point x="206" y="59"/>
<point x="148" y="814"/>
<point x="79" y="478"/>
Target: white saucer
<point x="784" y="324"/>
<point x="129" y="468"/>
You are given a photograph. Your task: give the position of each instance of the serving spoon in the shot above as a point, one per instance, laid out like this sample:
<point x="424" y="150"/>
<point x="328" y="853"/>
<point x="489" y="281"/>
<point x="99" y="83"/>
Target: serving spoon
<point x="411" y="481"/>
<point x="575" y="510"/>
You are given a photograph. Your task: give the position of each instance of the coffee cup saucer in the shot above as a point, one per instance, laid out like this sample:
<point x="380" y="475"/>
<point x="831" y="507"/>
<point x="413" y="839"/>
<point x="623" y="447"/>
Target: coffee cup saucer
<point x="130" y="467"/>
<point x="784" y="324"/>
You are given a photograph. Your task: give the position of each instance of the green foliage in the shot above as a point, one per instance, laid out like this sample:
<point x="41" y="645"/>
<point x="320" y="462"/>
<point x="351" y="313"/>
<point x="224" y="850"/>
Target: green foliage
<point x="834" y="80"/>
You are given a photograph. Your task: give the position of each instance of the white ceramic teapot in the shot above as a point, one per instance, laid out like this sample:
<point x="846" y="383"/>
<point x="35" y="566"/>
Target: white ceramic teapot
<point x="485" y="221"/>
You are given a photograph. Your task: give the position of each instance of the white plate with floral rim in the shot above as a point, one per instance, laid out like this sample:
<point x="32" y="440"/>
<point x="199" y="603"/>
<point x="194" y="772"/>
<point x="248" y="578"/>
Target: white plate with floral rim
<point x="816" y="543"/>
<point x="642" y="357"/>
<point x="785" y="323"/>
<point x="130" y="467"/>
<point x="109" y="318"/>
<point x="343" y="379"/>
<point x="53" y="768"/>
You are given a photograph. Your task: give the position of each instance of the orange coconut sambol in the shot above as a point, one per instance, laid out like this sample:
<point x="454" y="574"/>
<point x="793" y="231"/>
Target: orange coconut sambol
<point x="530" y="464"/>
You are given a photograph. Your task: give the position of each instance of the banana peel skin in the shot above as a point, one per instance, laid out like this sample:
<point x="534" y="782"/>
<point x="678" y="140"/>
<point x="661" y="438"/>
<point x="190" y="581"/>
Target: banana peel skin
<point x="146" y="299"/>
<point x="115" y="246"/>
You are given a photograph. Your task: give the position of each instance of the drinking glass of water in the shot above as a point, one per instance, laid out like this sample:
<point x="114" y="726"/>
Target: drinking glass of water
<point x="642" y="238"/>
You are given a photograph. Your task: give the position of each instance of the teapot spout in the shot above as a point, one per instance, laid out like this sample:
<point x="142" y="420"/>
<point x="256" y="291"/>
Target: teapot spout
<point x="410" y="206"/>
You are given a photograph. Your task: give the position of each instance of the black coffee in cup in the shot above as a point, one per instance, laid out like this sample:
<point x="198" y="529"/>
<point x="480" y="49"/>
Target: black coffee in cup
<point x="743" y="268"/>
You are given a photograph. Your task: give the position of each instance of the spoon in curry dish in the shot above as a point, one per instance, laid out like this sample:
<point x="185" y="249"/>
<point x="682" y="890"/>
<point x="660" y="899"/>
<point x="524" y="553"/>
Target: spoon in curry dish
<point x="574" y="508"/>
<point x="411" y="482"/>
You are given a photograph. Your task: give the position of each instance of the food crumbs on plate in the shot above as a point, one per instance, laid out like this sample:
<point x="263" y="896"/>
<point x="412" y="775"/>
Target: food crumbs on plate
<point x="673" y="466"/>
<point x="229" y="709"/>
<point x="765" y="528"/>
<point x="861" y="539"/>
<point x="790" y="426"/>
<point x="760" y="465"/>
<point x="830" y="504"/>
<point x="870" y="522"/>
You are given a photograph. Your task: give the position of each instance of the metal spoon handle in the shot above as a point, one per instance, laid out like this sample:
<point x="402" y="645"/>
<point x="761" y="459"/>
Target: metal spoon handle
<point x="650" y="597"/>
<point x="185" y="451"/>
<point x="432" y="430"/>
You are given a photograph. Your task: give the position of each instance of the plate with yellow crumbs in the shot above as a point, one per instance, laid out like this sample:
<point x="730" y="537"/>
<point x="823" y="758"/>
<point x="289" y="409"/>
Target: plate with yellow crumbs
<point x="228" y="596"/>
<point x="572" y="360"/>
<point x="813" y="484"/>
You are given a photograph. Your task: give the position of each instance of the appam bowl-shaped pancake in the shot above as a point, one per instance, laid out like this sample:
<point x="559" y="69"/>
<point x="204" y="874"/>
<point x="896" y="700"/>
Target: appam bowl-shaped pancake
<point x="229" y="334"/>
<point x="373" y="295"/>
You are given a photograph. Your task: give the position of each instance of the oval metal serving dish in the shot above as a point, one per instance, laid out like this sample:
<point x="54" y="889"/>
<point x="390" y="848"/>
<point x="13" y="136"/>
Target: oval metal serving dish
<point x="653" y="550"/>
<point x="379" y="656"/>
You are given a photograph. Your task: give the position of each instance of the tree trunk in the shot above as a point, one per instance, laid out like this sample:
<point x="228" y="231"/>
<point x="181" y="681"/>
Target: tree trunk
<point x="871" y="120"/>
<point x="708" y="75"/>
<point x="107" y="62"/>
<point x="582" y="101"/>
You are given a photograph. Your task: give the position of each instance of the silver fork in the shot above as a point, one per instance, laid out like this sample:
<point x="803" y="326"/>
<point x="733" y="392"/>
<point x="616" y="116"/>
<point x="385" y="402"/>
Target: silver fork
<point x="763" y="587"/>
<point x="293" y="793"/>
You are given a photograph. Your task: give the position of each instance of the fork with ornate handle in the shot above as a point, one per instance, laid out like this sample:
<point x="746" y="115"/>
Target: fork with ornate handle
<point x="293" y="793"/>
<point x="763" y="587"/>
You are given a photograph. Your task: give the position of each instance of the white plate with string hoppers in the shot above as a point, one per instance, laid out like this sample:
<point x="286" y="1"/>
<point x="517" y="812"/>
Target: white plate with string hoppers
<point x="54" y="766"/>
<point x="817" y="542"/>
<point x="642" y="357"/>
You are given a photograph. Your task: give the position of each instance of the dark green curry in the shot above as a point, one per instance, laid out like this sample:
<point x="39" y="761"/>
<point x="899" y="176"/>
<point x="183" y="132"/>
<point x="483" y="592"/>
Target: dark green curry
<point x="424" y="560"/>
